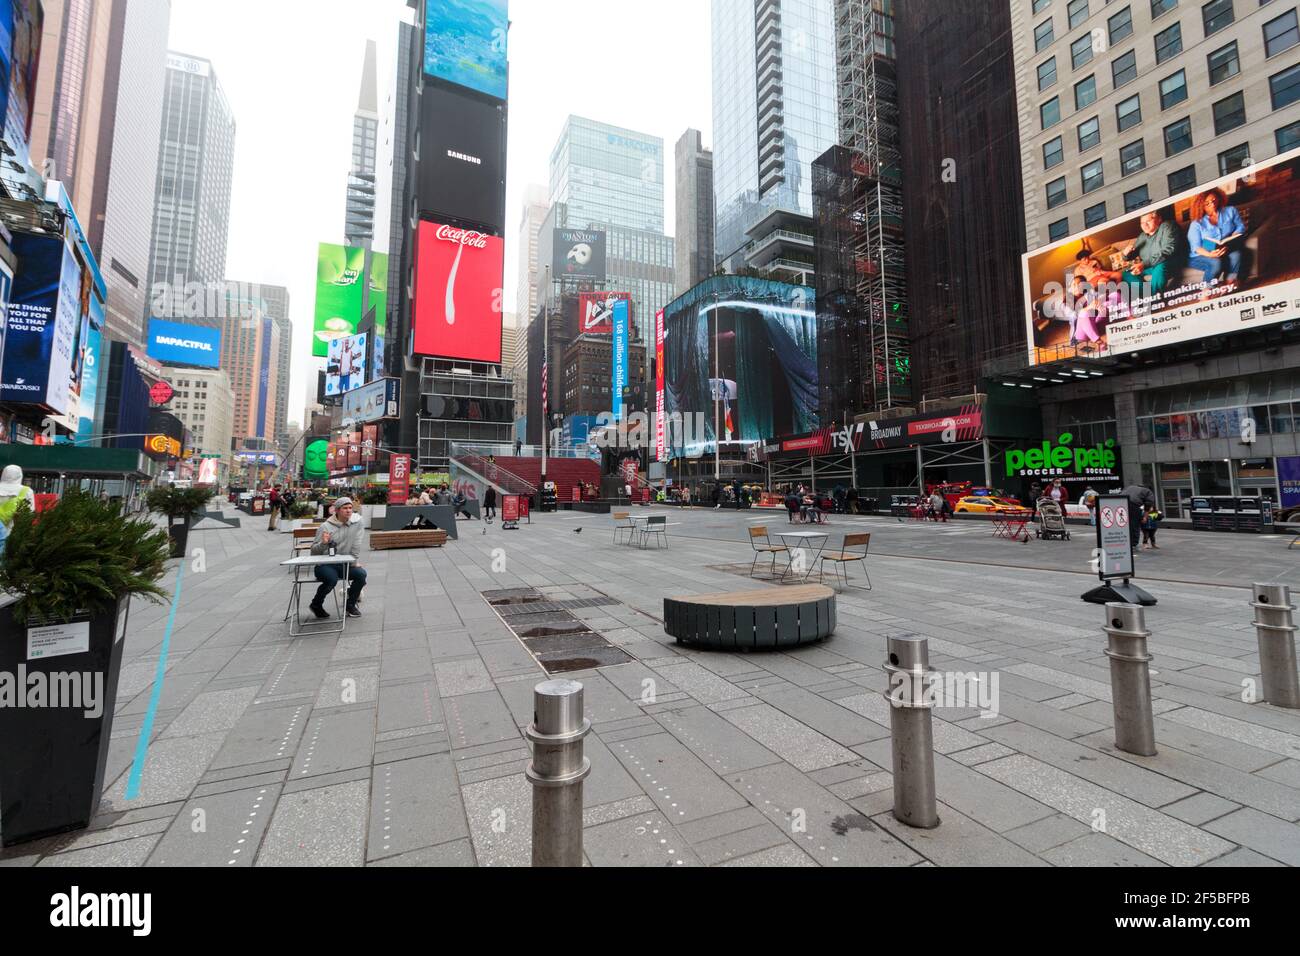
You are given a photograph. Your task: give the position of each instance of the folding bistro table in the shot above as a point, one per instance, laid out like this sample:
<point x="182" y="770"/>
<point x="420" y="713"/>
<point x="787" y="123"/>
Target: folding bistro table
<point x="1011" y="524"/>
<point x="293" y="614"/>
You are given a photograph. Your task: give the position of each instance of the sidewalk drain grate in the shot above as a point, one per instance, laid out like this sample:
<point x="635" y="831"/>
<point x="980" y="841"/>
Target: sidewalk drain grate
<point x="559" y="641"/>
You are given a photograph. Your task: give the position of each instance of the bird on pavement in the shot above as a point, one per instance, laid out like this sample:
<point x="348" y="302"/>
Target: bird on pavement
<point x="577" y="531"/>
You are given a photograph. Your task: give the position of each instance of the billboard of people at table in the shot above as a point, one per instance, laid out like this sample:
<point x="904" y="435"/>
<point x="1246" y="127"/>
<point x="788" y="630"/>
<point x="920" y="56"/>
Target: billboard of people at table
<point x="1221" y="257"/>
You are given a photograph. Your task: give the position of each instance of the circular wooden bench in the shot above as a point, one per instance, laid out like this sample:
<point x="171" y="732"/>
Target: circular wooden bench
<point x="744" y="620"/>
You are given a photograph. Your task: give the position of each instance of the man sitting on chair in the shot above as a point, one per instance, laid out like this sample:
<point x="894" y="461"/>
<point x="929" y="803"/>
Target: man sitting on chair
<point x="342" y="531"/>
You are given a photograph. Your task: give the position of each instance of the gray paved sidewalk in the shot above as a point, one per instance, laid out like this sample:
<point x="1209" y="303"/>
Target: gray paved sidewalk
<point x="401" y="743"/>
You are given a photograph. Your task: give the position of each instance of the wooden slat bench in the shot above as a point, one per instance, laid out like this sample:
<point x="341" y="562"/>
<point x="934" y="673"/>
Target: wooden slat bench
<point x="389" y="540"/>
<point x="745" y="620"/>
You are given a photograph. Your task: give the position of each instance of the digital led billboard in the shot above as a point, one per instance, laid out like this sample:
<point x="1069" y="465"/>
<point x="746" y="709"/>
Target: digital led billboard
<point x="43" y="325"/>
<point x="465" y="43"/>
<point x="24" y="22"/>
<point x="345" y="366"/>
<point x="178" y="343"/>
<point x="578" y="254"/>
<point x="1218" y="258"/>
<point x="462" y="174"/>
<point x="339" y="294"/>
<point x="458" y="294"/>
<point x="751" y="345"/>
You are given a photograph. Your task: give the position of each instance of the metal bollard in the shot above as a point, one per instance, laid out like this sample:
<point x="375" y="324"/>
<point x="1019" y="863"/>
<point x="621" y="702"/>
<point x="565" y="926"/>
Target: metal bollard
<point x="910" y="703"/>
<point x="1130" y="679"/>
<point x="1275" y="632"/>
<point x="557" y="771"/>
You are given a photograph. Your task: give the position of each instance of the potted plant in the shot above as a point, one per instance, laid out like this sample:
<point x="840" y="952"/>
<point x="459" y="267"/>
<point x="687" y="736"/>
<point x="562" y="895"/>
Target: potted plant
<point x="180" y="505"/>
<point x="67" y="578"/>
<point x="303" y="509"/>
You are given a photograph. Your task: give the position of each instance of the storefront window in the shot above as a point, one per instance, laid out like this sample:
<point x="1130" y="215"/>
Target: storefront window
<point x="1179" y="428"/>
<point x="1213" y="478"/>
<point x="1161" y="428"/>
<point x="1178" y="471"/>
<point x="1280" y="419"/>
<point x="1257" y="478"/>
<point x="1144" y="431"/>
<point x="1260" y="416"/>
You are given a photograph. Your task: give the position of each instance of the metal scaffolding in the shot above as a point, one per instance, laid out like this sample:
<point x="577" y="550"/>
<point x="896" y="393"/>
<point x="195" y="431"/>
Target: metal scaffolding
<point x="863" y="208"/>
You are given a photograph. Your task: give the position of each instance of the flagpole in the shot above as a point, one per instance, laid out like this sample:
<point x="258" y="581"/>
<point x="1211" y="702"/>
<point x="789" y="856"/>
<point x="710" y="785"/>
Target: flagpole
<point x="546" y="358"/>
<point x="717" y="363"/>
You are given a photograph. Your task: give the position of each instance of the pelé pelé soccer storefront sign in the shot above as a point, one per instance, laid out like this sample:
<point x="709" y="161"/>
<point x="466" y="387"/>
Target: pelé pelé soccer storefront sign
<point x="1081" y="466"/>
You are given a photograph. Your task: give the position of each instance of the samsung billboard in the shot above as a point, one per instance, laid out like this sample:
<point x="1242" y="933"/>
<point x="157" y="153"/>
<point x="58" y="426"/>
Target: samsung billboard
<point x="175" y="343"/>
<point x="1211" y="260"/>
<point x="462" y="159"/>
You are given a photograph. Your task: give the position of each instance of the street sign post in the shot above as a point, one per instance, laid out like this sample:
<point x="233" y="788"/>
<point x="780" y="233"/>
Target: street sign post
<point x="1114" y="555"/>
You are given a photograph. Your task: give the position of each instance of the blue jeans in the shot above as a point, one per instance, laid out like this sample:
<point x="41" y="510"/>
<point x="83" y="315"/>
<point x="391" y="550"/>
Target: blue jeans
<point x="1229" y="264"/>
<point x="330" y="574"/>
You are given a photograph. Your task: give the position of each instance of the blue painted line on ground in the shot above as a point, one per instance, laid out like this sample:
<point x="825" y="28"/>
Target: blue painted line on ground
<point x="146" y="731"/>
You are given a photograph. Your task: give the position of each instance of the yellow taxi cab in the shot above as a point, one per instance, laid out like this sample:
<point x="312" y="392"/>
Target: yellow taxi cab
<point x="986" y="505"/>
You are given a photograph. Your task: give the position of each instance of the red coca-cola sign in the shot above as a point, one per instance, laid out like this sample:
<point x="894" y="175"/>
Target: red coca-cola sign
<point x="458" y="293"/>
<point x="462" y="237"/>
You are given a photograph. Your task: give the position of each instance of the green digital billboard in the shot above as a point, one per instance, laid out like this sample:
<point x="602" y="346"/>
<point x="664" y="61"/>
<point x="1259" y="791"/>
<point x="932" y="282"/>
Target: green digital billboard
<point x="339" y="295"/>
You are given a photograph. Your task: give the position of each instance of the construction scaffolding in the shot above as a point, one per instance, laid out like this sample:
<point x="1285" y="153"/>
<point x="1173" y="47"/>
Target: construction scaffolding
<point x="859" y="199"/>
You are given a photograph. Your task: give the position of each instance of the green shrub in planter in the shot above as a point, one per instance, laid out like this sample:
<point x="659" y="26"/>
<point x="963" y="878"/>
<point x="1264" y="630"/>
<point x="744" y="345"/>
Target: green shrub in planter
<point x="303" y="509"/>
<point x="69" y="573"/>
<point x="180" y="505"/>
<point x="375" y="495"/>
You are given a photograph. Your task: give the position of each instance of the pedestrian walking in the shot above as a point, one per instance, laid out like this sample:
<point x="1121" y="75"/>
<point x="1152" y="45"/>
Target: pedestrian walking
<point x="1089" y="501"/>
<point x="1140" y="497"/>
<point x="936" y="507"/>
<point x="274" y="509"/>
<point x="12" y="495"/>
<point x="1150" y="525"/>
<point x="490" y="503"/>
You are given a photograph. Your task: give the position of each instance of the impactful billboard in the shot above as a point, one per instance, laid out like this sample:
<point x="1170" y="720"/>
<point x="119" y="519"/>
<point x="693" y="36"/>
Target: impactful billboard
<point x="462" y="174"/>
<point x="1212" y="260"/>
<point x="373" y="402"/>
<point x="578" y="254"/>
<point x="749" y="343"/>
<point x="179" y="344"/>
<point x="596" y="311"/>
<point x="622" y="341"/>
<point x="43" y="325"/>
<point x="465" y="43"/>
<point x="345" y="365"/>
<point x="458" y="293"/>
<point x="340" y="293"/>
<point x="315" y="460"/>
<point x="20" y="46"/>
<point x="661" y="452"/>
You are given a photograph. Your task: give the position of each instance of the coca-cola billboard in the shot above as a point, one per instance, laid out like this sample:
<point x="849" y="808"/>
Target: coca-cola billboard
<point x="458" y="293"/>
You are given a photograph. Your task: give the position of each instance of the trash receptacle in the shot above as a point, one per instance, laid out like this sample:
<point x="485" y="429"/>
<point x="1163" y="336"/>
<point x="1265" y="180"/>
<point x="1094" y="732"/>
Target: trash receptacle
<point x="1202" y="515"/>
<point x="1225" y="513"/>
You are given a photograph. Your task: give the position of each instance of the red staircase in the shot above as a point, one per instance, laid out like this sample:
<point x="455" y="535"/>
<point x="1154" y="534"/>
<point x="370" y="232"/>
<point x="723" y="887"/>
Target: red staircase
<point x="565" y="472"/>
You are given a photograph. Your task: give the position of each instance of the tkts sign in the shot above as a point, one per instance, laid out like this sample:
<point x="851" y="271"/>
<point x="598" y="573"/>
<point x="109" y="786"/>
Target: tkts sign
<point x="962" y="425"/>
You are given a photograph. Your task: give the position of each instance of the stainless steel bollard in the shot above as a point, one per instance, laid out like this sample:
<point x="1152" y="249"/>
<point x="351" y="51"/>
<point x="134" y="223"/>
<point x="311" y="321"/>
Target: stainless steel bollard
<point x="910" y="703"/>
<point x="557" y="771"/>
<point x="1275" y="632"/>
<point x="1130" y="679"/>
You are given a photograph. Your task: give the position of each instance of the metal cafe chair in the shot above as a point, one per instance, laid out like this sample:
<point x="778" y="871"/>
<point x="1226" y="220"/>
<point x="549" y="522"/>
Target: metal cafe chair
<point x="846" y="556"/>
<point x="765" y="547"/>
<point x="623" y="523"/>
<point x="656" y="526"/>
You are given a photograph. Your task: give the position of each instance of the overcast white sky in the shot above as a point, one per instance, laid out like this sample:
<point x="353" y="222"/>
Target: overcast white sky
<point x="292" y="68"/>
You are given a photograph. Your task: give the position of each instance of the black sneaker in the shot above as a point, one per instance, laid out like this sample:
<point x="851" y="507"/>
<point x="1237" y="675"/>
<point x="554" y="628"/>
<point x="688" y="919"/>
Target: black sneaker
<point x="354" y="611"/>
<point x="319" y="611"/>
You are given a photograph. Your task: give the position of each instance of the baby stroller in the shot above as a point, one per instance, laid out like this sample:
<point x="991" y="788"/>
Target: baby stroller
<point x="1051" y="521"/>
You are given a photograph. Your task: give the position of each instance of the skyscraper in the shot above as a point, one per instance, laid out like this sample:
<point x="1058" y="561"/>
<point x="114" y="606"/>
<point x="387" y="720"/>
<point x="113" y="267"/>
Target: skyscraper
<point x="611" y="179"/>
<point x="275" y="304"/>
<point x="693" y="244"/>
<point x="527" y="302"/>
<point x="96" y="114"/>
<point x="195" y="168"/>
<point x="359" y="227"/>
<point x="774" y="113"/>
<point x="250" y="350"/>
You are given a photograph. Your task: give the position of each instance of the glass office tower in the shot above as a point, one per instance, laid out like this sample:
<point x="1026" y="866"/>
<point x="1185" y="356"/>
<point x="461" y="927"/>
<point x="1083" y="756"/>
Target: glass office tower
<point x="774" y="113"/>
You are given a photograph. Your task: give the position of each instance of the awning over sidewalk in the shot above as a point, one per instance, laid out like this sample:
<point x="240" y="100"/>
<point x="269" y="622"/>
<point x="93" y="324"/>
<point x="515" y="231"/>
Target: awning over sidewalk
<point x="75" y="462"/>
